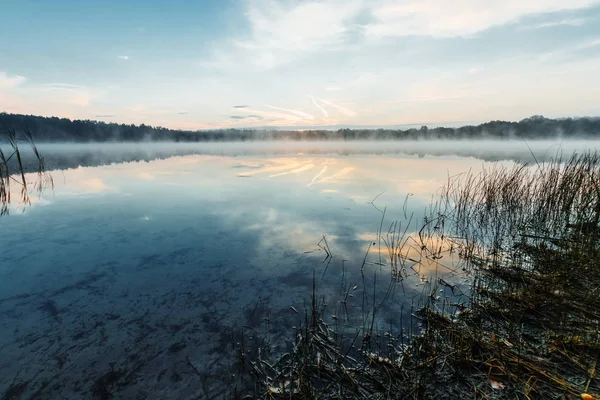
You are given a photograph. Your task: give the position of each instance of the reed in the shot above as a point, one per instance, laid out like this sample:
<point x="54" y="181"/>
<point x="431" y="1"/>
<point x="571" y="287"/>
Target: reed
<point x="530" y="236"/>
<point x="527" y="326"/>
<point x="13" y="170"/>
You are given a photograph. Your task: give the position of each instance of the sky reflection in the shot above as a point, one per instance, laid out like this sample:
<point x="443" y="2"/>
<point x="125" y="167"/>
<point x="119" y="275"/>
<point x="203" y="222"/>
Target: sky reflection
<point x="288" y="202"/>
<point x="200" y="241"/>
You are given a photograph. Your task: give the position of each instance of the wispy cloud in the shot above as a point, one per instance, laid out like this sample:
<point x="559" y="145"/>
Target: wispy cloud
<point x="342" y="109"/>
<point x="54" y="98"/>
<point x="281" y="32"/>
<point x="566" y="53"/>
<point x="562" y="22"/>
<point x="368" y="62"/>
<point x="62" y="86"/>
<point x="324" y="111"/>
<point x="7" y="81"/>
<point x="105" y="115"/>
<point x="251" y="116"/>
<point x="588" y="44"/>
<point x="301" y="114"/>
<point x="68" y="93"/>
<point x="285" y="34"/>
<point x="138" y="108"/>
<point x="277" y="118"/>
<point x="441" y="18"/>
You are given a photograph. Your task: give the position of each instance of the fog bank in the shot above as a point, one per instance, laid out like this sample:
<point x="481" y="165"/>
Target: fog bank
<point x="71" y="155"/>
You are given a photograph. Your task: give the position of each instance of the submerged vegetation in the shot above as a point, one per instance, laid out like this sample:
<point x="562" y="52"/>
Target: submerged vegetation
<point x="13" y="169"/>
<point x="528" y="327"/>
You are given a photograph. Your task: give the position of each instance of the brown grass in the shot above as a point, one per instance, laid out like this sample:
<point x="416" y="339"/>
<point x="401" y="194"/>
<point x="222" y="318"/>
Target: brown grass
<point x="528" y="326"/>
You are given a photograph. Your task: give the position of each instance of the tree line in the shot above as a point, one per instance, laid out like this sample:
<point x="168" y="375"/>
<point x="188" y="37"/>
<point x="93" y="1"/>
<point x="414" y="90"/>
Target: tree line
<point x="54" y="129"/>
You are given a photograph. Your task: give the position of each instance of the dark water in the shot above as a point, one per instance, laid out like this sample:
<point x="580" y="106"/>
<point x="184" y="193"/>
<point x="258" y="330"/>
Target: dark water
<point x="125" y="272"/>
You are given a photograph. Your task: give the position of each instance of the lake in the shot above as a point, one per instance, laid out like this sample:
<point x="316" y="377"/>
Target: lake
<point x="144" y="272"/>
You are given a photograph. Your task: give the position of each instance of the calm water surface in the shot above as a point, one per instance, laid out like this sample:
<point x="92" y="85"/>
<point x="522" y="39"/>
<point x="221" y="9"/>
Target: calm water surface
<point x="140" y="266"/>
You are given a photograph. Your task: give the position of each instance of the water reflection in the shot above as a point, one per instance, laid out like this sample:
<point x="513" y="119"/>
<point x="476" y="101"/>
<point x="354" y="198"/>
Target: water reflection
<point x="69" y="155"/>
<point x="124" y="261"/>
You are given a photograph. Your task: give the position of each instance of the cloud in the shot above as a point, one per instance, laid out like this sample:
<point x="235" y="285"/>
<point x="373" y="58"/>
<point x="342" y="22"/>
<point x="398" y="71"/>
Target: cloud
<point x="588" y="44"/>
<point x="11" y="81"/>
<point x="251" y="116"/>
<point x="562" y="22"/>
<point x="105" y="115"/>
<point x="441" y="18"/>
<point x="285" y="32"/>
<point x="568" y="53"/>
<point x="303" y="26"/>
<point x="138" y="108"/>
<point x="281" y="32"/>
<point x="55" y="98"/>
<point x="62" y="86"/>
<point x="343" y="110"/>
<point x="475" y="70"/>
<point x="315" y="44"/>
<point x="324" y="111"/>
<point x="274" y="116"/>
<point x="301" y="114"/>
<point x="67" y="93"/>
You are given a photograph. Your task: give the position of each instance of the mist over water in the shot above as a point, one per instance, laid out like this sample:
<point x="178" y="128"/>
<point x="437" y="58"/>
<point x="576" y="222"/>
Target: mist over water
<point x="72" y="155"/>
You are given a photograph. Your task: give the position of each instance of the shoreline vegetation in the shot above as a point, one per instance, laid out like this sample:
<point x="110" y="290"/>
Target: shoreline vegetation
<point x="528" y="327"/>
<point x="54" y="129"/>
<point x="15" y="163"/>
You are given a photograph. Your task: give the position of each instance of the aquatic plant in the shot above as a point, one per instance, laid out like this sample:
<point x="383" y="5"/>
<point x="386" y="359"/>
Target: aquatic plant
<point x="528" y="236"/>
<point x="13" y="169"/>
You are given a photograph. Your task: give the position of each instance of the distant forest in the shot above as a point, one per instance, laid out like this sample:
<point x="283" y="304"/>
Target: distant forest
<point x="53" y="129"/>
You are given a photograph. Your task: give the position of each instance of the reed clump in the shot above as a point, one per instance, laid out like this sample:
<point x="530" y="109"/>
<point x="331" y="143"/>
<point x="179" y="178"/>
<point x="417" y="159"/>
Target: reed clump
<point x="325" y="361"/>
<point x="527" y="326"/>
<point x="530" y="236"/>
<point x="13" y="170"/>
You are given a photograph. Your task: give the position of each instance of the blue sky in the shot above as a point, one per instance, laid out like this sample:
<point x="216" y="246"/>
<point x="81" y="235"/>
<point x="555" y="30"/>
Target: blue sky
<point x="243" y="63"/>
